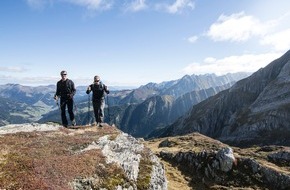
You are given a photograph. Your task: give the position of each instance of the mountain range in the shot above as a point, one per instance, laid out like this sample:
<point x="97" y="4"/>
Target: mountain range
<point x="29" y="104"/>
<point x="255" y="110"/>
<point x="153" y="106"/>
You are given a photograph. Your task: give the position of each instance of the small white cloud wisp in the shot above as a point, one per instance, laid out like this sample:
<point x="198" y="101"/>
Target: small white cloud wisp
<point x="136" y="6"/>
<point x="192" y="39"/>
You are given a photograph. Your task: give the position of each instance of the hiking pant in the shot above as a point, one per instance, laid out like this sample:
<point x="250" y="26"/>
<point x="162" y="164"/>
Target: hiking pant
<point x="69" y="103"/>
<point x="99" y="106"/>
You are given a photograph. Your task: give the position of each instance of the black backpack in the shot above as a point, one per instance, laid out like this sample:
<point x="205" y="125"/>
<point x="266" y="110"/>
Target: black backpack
<point x="98" y="91"/>
<point x="65" y="88"/>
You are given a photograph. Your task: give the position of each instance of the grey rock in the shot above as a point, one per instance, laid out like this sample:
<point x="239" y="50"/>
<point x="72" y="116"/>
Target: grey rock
<point x="125" y="151"/>
<point x="281" y="157"/>
<point x="226" y="159"/>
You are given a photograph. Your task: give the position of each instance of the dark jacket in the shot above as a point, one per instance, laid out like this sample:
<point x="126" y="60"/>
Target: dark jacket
<point x="65" y="89"/>
<point x="98" y="91"/>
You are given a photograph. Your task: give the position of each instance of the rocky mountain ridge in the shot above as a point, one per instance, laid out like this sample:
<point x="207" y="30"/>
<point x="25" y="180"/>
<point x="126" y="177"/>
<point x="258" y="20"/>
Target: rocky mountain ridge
<point x="158" y="111"/>
<point x="254" y="111"/>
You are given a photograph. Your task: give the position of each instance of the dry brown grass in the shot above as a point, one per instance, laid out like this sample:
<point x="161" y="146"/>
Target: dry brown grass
<point x="51" y="160"/>
<point x="194" y="142"/>
<point x="176" y="180"/>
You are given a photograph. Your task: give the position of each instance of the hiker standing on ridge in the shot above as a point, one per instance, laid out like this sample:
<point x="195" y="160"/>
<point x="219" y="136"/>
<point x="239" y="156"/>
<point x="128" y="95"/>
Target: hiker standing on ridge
<point x="65" y="89"/>
<point x="98" y="99"/>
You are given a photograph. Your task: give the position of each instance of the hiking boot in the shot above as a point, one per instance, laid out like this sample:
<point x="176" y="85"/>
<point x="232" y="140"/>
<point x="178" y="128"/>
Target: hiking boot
<point x="73" y="123"/>
<point x="100" y="124"/>
<point x="65" y="126"/>
<point x="94" y="124"/>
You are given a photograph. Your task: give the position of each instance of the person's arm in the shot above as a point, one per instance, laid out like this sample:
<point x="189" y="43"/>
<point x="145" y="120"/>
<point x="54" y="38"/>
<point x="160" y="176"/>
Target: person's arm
<point x="106" y="89"/>
<point x="89" y="89"/>
<point x="73" y="91"/>
<point x="57" y="93"/>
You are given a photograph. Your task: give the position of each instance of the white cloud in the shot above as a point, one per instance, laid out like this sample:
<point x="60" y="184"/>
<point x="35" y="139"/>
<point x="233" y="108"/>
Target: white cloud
<point x="280" y="40"/>
<point x="232" y="64"/>
<point x="38" y="4"/>
<point x="41" y="80"/>
<point x="93" y="4"/>
<point x="177" y="7"/>
<point x="192" y="39"/>
<point x="236" y="27"/>
<point x="136" y="5"/>
<point x="12" y="69"/>
<point x="241" y="27"/>
<point x="89" y="4"/>
<point x="5" y="79"/>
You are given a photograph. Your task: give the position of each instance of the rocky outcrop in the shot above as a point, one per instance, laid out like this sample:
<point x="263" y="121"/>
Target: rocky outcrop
<point x="268" y="176"/>
<point x="281" y="157"/>
<point x="223" y="168"/>
<point x="126" y="152"/>
<point x="208" y="165"/>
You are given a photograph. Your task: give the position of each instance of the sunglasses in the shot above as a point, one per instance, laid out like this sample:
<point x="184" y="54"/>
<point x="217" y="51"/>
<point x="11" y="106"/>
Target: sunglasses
<point x="63" y="74"/>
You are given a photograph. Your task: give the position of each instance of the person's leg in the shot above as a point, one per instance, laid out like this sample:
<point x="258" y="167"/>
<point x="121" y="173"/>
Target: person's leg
<point x="70" y="105"/>
<point x="96" y="112"/>
<point x="63" y="115"/>
<point x="101" y="111"/>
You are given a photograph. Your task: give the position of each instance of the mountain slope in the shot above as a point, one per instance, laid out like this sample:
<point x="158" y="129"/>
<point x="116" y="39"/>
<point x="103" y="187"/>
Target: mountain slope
<point x="167" y="102"/>
<point x="140" y="120"/>
<point x="255" y="110"/>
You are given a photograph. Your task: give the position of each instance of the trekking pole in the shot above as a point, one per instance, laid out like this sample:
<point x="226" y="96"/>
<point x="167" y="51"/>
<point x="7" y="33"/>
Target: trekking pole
<point x="89" y="107"/>
<point x="56" y="101"/>
<point x="76" y="113"/>
<point x="109" y="116"/>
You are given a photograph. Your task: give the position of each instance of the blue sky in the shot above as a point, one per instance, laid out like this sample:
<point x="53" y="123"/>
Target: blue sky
<point x="133" y="42"/>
